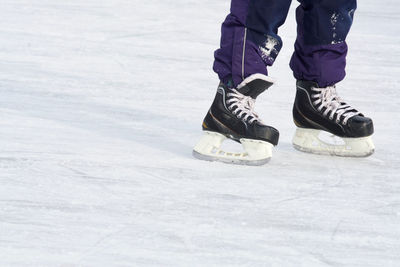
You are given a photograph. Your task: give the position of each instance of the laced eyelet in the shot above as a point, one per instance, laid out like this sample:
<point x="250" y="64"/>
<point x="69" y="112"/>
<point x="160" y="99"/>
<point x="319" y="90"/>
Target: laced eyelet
<point x="328" y="104"/>
<point x="240" y="106"/>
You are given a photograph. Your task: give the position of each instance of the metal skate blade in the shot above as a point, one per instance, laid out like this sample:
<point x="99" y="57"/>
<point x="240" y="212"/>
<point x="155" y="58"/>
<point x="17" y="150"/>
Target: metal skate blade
<point x="255" y="152"/>
<point x="323" y="143"/>
<point x="230" y="160"/>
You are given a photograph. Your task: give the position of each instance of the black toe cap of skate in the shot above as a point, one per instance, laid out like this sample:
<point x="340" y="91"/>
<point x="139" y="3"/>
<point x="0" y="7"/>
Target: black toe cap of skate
<point x="267" y="133"/>
<point x="360" y="126"/>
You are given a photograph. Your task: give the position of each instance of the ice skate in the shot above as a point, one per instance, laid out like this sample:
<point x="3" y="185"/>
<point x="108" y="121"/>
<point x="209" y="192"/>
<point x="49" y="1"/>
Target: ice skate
<point x="232" y="116"/>
<point x="328" y="125"/>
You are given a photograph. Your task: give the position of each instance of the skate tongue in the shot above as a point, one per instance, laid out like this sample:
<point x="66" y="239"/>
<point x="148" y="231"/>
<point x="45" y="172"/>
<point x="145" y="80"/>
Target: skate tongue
<point x="254" y="85"/>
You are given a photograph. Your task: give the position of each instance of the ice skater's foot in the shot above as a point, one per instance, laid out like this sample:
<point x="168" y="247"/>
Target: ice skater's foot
<point x="328" y="125"/>
<point x="232" y="116"/>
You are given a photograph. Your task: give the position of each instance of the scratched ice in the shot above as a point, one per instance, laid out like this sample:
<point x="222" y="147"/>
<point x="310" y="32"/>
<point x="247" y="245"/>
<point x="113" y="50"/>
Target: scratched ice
<point x="101" y="103"/>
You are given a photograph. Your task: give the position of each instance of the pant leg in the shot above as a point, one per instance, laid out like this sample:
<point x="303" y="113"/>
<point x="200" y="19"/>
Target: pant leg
<point x="250" y="41"/>
<point x="320" y="48"/>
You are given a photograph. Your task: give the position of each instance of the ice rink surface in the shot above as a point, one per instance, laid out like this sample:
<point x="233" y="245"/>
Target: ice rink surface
<point x="101" y="103"/>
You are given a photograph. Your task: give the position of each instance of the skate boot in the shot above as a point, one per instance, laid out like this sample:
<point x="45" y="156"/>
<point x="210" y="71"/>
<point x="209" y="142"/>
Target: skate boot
<point x="232" y="116"/>
<point x="328" y="125"/>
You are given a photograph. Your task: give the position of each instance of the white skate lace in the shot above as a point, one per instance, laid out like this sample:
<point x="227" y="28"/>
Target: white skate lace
<point x="334" y="105"/>
<point x="242" y="106"/>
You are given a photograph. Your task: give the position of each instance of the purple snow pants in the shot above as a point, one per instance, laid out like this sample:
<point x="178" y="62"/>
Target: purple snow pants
<point x="250" y="40"/>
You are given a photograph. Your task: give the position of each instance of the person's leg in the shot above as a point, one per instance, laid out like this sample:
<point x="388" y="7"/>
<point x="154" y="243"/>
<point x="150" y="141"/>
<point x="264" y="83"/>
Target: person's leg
<point x="249" y="39"/>
<point x="249" y="44"/>
<point x="322" y="117"/>
<point x="320" y="48"/>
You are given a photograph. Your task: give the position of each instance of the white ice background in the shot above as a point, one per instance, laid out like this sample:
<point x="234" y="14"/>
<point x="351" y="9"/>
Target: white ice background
<point x="101" y="102"/>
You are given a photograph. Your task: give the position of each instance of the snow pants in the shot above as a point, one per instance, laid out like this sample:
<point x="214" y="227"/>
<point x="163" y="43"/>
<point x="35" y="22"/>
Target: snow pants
<point x="250" y="40"/>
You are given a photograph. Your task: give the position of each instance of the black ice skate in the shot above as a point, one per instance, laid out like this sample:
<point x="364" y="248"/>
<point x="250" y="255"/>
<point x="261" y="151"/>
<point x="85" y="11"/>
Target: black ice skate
<point x="318" y="111"/>
<point x="232" y="116"/>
